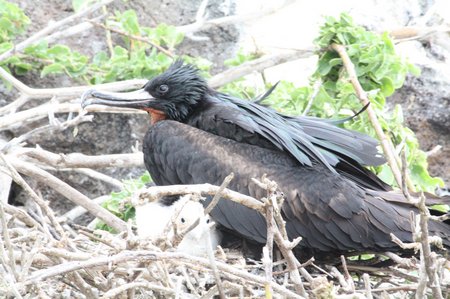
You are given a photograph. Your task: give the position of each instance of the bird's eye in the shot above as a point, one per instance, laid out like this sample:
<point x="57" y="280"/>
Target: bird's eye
<point x="183" y="220"/>
<point x="207" y="220"/>
<point x="163" y="88"/>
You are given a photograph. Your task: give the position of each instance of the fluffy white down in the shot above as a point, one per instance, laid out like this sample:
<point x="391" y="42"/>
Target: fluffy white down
<point x="152" y="218"/>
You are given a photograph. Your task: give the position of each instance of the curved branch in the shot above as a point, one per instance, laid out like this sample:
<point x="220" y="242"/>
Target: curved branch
<point x="69" y="192"/>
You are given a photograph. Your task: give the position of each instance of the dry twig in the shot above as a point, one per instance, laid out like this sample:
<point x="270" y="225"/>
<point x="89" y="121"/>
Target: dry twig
<point x="362" y="95"/>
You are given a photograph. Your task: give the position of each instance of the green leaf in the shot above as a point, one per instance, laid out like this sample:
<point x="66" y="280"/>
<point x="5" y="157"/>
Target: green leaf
<point x="386" y="175"/>
<point x="130" y="22"/>
<point x="5" y="46"/>
<point x="81" y="4"/>
<point x="53" y="68"/>
<point x="441" y="208"/>
<point x="387" y="87"/>
<point x="169" y="35"/>
<point x="324" y="66"/>
<point x="59" y="51"/>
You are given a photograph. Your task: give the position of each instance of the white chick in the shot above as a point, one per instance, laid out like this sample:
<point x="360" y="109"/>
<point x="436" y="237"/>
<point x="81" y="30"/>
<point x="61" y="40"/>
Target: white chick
<point x="152" y="218"/>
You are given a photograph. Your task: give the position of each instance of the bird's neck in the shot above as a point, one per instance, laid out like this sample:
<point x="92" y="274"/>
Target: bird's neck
<point x="155" y="115"/>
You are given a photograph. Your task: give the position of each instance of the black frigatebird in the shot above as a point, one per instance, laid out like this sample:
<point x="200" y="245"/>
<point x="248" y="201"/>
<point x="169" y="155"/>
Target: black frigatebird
<point x="199" y="135"/>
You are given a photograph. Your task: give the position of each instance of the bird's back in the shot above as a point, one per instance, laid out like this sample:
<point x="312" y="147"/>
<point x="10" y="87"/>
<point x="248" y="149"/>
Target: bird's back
<point x="330" y="212"/>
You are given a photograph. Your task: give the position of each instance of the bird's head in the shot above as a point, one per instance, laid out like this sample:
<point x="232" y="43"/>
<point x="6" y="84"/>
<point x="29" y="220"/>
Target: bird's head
<point x="171" y="95"/>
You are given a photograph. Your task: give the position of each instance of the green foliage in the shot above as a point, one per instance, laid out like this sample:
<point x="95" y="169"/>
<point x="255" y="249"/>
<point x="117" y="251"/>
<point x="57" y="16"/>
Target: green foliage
<point x="13" y="22"/>
<point x="241" y="57"/>
<point x="82" y="4"/>
<point x="119" y="204"/>
<point x="380" y="71"/>
<point x="133" y="59"/>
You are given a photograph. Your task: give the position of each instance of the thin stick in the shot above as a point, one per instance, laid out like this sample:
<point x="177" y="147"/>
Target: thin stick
<point x="70" y="193"/>
<point x="99" y="176"/>
<point x="212" y="260"/>
<point x="257" y="65"/>
<point x="217" y="196"/>
<point x="426" y="253"/>
<point x="155" y="192"/>
<point x="135" y="37"/>
<point x="50" y="28"/>
<point x="316" y="88"/>
<point x="367" y="286"/>
<point x="146" y="255"/>
<point x="77" y="160"/>
<point x="39" y="93"/>
<point x="362" y="96"/>
<point x="348" y="277"/>
<point x="134" y="285"/>
<point x="79" y="211"/>
<point x="7" y="243"/>
<point x="22" y="183"/>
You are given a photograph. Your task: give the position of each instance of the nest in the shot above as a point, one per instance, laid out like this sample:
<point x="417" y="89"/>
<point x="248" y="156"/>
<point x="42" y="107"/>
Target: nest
<point x="44" y="256"/>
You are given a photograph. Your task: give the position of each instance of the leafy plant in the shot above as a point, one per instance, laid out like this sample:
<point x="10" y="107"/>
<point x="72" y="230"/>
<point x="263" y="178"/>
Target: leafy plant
<point x="118" y="203"/>
<point x="380" y="71"/>
<point x="13" y="22"/>
<point x="81" y="4"/>
<point x="137" y="59"/>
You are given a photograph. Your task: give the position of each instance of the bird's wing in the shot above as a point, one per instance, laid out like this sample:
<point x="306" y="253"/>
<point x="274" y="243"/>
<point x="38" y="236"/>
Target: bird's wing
<point x="308" y="140"/>
<point x="328" y="211"/>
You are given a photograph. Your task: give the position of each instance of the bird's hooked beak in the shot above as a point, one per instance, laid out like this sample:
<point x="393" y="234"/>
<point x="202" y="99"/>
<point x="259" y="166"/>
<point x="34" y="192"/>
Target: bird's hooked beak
<point x="138" y="99"/>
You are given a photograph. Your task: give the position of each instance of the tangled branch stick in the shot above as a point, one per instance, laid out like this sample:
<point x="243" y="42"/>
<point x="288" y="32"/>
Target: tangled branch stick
<point x="69" y="192"/>
<point x="13" y="172"/>
<point x="145" y="255"/>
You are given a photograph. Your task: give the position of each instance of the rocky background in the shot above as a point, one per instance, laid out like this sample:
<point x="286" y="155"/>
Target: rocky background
<point x="425" y="99"/>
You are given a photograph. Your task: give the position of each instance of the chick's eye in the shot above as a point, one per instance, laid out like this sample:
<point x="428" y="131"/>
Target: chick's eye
<point x="183" y="220"/>
<point x="163" y="88"/>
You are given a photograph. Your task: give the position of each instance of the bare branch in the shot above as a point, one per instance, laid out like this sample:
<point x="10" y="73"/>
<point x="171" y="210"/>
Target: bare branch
<point x="217" y="196"/>
<point x="155" y="192"/>
<point x="77" y="160"/>
<point x="9" y="163"/>
<point x="113" y="293"/>
<point x="69" y="192"/>
<point x="148" y="255"/>
<point x="257" y="65"/>
<point x="362" y="96"/>
<point x="201" y="24"/>
<point x="52" y="27"/>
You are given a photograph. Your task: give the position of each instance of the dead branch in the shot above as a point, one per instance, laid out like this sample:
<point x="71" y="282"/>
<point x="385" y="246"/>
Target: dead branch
<point x="35" y="38"/>
<point x="134" y="37"/>
<point x="217" y="196"/>
<point x="362" y="96"/>
<point x="77" y="160"/>
<point x="40" y="202"/>
<point x="277" y="225"/>
<point x="132" y="285"/>
<point x="7" y="257"/>
<point x="202" y="24"/>
<point x="257" y="65"/>
<point x="156" y="192"/>
<point x="427" y="256"/>
<point x="144" y="255"/>
<point x="69" y="192"/>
